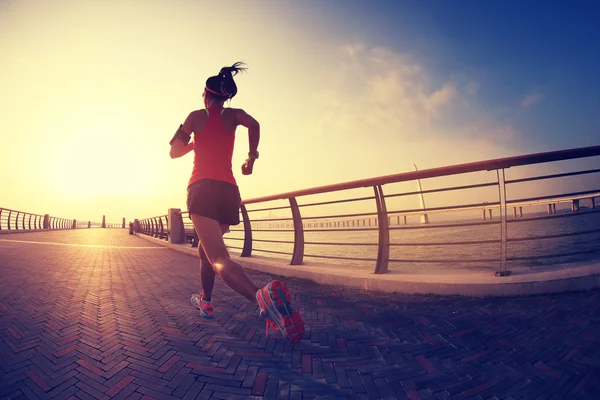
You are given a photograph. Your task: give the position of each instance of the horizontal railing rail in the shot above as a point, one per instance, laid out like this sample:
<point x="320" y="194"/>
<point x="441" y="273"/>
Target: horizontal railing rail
<point x="490" y="165"/>
<point x="289" y="232"/>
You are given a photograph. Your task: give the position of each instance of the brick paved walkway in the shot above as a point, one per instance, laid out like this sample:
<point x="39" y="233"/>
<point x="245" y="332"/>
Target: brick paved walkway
<point x="115" y="322"/>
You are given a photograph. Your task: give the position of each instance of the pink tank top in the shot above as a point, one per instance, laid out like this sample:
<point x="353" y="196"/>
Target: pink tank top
<point x="213" y="150"/>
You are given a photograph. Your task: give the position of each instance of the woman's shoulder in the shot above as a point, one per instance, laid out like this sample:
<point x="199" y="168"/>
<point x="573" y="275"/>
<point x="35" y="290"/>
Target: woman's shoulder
<point x="200" y="114"/>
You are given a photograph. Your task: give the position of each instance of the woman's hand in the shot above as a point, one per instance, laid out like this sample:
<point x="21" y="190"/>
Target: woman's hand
<point x="247" y="166"/>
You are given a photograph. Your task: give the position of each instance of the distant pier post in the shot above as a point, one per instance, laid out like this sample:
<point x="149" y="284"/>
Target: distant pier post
<point x="553" y="208"/>
<point x="592" y="202"/>
<point x="104" y="221"/>
<point x="549" y="208"/>
<point x="74" y="224"/>
<point x="520" y="211"/>
<point x="89" y="224"/>
<point x="123" y="226"/>
<point x="490" y="212"/>
<point x="483" y="214"/>
<point x="405" y="220"/>
<point x="575" y="205"/>
<point x="514" y="212"/>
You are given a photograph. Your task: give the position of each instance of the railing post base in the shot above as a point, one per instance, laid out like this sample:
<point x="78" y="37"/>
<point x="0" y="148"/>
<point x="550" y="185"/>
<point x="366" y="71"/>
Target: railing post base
<point x="175" y="228"/>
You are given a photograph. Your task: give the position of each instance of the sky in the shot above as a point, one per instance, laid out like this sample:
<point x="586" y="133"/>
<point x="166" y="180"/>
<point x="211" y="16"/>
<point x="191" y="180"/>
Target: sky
<point x="91" y="92"/>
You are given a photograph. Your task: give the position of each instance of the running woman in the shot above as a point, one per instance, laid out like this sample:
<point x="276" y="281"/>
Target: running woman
<point x="213" y="201"/>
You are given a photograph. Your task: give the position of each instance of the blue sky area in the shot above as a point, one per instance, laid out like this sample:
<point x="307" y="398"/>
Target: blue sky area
<point x="547" y="52"/>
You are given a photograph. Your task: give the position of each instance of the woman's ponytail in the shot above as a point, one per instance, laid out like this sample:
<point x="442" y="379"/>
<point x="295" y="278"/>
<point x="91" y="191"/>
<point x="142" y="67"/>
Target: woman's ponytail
<point x="223" y="84"/>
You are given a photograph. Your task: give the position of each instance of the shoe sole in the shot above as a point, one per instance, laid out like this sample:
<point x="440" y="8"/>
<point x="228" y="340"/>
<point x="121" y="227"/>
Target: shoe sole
<point x="206" y="316"/>
<point x="279" y="310"/>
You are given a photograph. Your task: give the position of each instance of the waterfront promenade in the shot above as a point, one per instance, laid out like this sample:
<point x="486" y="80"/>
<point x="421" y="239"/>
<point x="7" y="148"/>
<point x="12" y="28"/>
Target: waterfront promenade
<point x="99" y="313"/>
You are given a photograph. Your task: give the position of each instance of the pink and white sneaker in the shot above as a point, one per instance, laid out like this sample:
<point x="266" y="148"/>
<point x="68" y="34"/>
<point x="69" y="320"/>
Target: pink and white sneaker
<point x="206" y="308"/>
<point x="274" y="301"/>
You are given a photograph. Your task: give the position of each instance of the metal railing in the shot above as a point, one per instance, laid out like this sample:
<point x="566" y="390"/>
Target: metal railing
<point x="22" y="221"/>
<point x="290" y="231"/>
<point x="155" y="226"/>
<point x="383" y="214"/>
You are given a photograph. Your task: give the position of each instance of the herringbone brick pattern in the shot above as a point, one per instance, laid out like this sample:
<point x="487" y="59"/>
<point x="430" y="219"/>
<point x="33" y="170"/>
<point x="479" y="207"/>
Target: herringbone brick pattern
<point x="116" y="322"/>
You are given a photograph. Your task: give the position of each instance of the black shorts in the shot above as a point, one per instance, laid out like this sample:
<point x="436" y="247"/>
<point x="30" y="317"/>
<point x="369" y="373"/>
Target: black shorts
<point x="214" y="199"/>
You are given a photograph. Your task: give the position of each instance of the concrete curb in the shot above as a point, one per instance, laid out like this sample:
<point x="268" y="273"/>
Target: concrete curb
<point x="477" y="284"/>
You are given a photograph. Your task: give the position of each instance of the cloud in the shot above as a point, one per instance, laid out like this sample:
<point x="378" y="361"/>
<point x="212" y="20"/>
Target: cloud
<point x="395" y="97"/>
<point x="530" y="100"/>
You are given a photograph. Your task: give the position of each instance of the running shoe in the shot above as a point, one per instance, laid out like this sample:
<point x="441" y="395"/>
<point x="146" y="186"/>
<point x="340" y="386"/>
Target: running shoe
<point x="274" y="302"/>
<point x="206" y="308"/>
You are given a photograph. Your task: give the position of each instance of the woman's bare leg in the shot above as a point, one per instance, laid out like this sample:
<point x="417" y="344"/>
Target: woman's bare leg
<point x="233" y="274"/>
<point x="207" y="273"/>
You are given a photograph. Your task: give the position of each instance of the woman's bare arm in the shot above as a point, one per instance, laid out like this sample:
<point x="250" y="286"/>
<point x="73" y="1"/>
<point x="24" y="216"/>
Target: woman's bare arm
<point x="244" y="119"/>
<point x="179" y="147"/>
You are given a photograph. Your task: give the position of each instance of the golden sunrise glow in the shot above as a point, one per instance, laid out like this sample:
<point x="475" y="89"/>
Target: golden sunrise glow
<point x="93" y="91"/>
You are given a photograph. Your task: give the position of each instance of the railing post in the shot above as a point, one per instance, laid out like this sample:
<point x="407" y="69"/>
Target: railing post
<point x="46" y="222"/>
<point x="8" y="219"/>
<point x="162" y="229"/>
<point x="74" y="224"/>
<point x="383" y="250"/>
<point x="123" y="225"/>
<point x="298" y="255"/>
<point x="104" y="221"/>
<point x="175" y="228"/>
<point x="136" y="225"/>
<point x="154" y="227"/>
<point x="503" y="225"/>
<point x="247" y="250"/>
